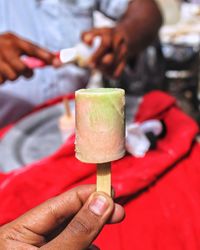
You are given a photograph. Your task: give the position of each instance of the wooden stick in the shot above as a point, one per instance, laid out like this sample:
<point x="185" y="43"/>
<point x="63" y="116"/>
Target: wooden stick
<point x="104" y="177"/>
<point x="67" y="107"/>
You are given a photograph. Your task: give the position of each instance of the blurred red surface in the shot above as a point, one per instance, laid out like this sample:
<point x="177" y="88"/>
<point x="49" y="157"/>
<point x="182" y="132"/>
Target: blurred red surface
<point x="160" y="192"/>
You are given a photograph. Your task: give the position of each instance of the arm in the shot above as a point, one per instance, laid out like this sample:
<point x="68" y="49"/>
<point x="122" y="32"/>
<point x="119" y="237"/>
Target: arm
<point x="134" y="31"/>
<point x="140" y="25"/>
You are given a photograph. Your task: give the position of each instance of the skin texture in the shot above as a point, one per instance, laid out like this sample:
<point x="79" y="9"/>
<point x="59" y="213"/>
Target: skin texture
<point x="68" y="221"/>
<point x="134" y="32"/>
<point x="11" y="50"/>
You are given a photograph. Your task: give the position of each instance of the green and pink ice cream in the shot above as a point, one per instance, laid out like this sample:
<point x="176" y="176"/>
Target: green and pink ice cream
<point x="100" y="130"/>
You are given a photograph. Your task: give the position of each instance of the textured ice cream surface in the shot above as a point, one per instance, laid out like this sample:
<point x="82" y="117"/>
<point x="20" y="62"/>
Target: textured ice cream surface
<point x="100" y="128"/>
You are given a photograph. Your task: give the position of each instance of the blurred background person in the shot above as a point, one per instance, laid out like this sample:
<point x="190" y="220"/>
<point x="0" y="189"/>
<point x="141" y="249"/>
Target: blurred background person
<point x="58" y="24"/>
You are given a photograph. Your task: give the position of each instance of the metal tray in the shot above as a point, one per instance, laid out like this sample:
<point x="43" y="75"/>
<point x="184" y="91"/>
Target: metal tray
<point x="33" y="138"/>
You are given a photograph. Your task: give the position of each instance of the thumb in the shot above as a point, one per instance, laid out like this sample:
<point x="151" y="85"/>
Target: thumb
<point x="88" y="37"/>
<point x="86" y="225"/>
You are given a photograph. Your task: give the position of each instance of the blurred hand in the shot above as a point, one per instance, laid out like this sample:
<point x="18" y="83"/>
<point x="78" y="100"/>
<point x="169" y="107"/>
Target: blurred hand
<point x="110" y="58"/>
<point x="71" y="220"/>
<point x="11" y="49"/>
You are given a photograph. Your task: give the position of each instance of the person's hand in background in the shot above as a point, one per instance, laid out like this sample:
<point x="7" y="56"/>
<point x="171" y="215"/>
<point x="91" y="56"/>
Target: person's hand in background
<point x="136" y="29"/>
<point x="110" y="57"/>
<point x="12" y="48"/>
<point x="71" y="220"/>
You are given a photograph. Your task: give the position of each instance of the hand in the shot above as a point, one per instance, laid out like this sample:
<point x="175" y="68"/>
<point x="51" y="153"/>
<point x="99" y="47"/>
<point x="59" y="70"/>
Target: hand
<point x="110" y="57"/>
<point x="11" y="49"/>
<point x="71" y="220"/>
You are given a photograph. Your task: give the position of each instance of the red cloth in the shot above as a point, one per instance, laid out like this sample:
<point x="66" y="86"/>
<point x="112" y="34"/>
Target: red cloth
<point x="161" y="191"/>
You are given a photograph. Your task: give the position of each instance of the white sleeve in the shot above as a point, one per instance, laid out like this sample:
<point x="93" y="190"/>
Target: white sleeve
<point x="113" y="8"/>
<point x="3" y="16"/>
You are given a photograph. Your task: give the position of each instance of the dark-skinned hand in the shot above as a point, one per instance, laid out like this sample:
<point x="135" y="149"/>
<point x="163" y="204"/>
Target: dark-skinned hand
<point x="12" y="48"/>
<point x="71" y="220"/>
<point x="110" y="57"/>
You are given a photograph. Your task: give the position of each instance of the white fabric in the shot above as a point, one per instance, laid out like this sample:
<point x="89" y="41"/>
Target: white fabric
<point x="137" y="143"/>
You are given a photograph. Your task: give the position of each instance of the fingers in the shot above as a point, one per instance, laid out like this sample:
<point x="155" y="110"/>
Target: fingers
<point x="106" y="43"/>
<point x="88" y="36"/>
<point x="52" y="213"/>
<point x="113" y="65"/>
<point x="12" y="69"/>
<point x="122" y="53"/>
<point x="11" y="50"/>
<point x="120" y="57"/>
<point x="2" y="79"/>
<point x="56" y="63"/>
<point x="87" y="223"/>
<point x="41" y="223"/>
<point x="110" y="57"/>
<point x="105" y="47"/>
<point x="118" y="71"/>
<point x="108" y="60"/>
<point x="30" y="49"/>
<point x="118" y="214"/>
<point x="7" y="72"/>
<point x="17" y="46"/>
<point x="19" y="67"/>
<point x="49" y="220"/>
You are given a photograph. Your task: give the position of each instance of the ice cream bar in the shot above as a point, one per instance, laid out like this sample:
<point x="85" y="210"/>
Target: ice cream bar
<point x="100" y="130"/>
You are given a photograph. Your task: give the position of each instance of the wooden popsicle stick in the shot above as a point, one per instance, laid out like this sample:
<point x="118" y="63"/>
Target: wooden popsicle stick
<point x="67" y="107"/>
<point x="104" y="177"/>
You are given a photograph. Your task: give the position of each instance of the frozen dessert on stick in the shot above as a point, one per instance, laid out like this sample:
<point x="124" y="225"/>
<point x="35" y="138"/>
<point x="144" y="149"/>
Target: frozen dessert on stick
<point x="66" y="122"/>
<point x="100" y="130"/>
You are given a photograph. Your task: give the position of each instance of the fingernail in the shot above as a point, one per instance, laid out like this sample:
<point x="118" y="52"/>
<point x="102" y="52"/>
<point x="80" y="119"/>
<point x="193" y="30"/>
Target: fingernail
<point x="98" y="205"/>
<point x="87" y="37"/>
<point x="57" y="62"/>
<point x="92" y="65"/>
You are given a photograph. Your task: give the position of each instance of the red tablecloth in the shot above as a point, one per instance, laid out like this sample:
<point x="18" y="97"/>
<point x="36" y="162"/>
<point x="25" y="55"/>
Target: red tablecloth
<point x="161" y="191"/>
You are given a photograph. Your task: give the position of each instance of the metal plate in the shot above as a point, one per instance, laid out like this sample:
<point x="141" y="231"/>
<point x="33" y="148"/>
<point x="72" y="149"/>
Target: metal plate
<point x="33" y="138"/>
